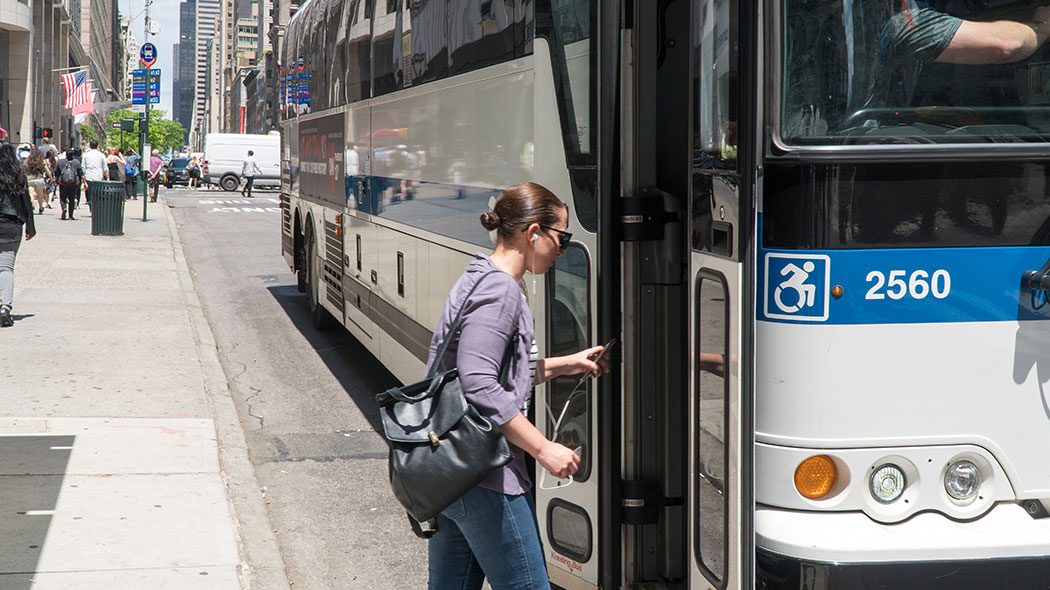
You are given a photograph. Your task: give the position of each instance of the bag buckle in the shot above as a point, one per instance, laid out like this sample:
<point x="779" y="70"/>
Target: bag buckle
<point x="433" y="438"/>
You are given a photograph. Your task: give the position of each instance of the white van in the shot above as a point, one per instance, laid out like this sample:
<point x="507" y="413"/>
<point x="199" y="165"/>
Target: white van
<point x="225" y="152"/>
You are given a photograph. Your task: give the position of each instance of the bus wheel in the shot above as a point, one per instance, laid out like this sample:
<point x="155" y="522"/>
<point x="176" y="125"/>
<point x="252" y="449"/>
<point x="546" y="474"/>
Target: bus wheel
<point x="319" y="316"/>
<point x="229" y="183"/>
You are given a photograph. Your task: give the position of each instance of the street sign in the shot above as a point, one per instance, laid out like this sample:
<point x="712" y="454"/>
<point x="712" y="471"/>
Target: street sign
<point x="145" y="82"/>
<point x="148" y="54"/>
<point x="138" y="108"/>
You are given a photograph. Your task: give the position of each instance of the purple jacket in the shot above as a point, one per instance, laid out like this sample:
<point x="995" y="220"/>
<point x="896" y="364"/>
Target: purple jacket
<point x="489" y="320"/>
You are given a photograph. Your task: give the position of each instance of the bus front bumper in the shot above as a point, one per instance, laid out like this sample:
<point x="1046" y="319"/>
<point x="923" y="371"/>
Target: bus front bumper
<point x="1005" y="548"/>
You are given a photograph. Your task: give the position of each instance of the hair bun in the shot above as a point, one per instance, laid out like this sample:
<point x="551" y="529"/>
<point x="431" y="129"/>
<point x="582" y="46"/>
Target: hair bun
<point x="489" y="220"/>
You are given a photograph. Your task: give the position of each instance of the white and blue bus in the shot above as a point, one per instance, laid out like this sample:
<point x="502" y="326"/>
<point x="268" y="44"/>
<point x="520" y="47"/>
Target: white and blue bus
<point x="823" y="245"/>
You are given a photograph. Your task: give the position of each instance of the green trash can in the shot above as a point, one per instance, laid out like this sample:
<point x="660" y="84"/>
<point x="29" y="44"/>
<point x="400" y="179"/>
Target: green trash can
<point x="107" y="208"/>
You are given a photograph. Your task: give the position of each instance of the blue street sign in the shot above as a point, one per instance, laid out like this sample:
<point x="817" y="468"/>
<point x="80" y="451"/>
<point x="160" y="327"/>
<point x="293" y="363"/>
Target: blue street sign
<point x="148" y="54"/>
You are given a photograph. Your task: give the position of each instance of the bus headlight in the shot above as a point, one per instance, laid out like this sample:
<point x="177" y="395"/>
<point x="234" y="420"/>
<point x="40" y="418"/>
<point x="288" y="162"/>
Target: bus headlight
<point x="887" y="483"/>
<point x="962" y="480"/>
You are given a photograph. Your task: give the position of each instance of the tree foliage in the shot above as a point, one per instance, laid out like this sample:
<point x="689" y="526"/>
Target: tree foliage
<point x="164" y="134"/>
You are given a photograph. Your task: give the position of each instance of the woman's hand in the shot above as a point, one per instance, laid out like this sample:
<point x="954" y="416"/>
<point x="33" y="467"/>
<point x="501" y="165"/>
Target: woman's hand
<point x="572" y="364"/>
<point x="558" y="459"/>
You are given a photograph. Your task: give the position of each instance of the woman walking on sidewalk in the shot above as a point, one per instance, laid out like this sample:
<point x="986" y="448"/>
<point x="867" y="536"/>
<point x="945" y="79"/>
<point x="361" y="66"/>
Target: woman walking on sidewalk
<point x="16" y="216"/>
<point x="37" y="174"/>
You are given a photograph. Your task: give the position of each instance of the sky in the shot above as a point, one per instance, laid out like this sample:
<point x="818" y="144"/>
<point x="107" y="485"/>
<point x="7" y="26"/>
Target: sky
<point x="166" y="13"/>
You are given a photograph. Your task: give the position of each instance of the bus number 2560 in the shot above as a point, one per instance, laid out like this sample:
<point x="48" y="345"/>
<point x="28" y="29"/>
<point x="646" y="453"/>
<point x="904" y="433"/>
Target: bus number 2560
<point x="899" y="284"/>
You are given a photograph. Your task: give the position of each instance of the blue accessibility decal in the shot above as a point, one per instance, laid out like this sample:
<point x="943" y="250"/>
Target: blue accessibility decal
<point x="900" y="286"/>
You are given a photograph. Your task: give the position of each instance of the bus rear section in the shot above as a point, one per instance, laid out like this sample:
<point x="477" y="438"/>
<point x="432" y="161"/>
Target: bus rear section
<point x="902" y="338"/>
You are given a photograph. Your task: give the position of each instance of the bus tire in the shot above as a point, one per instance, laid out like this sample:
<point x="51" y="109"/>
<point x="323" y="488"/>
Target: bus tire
<point x="319" y="316"/>
<point x="229" y="183"/>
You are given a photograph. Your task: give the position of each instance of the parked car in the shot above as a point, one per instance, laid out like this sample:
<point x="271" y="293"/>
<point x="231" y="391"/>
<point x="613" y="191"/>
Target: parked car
<point x="224" y="153"/>
<point x="175" y="172"/>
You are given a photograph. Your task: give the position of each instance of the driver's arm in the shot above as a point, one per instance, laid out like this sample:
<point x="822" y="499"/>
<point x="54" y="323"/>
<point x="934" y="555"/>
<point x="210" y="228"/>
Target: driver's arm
<point x="997" y="42"/>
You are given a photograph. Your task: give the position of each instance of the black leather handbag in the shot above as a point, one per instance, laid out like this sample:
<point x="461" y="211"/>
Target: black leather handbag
<point x="440" y="445"/>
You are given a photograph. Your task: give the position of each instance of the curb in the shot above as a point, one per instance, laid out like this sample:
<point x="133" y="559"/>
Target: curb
<point x="261" y="567"/>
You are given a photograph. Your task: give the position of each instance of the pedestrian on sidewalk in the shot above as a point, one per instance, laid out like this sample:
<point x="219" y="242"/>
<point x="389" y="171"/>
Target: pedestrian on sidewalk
<point x="16" y="217"/>
<point x="52" y="183"/>
<point x="131" y="175"/>
<point x="95" y="167"/>
<point x="115" y="162"/>
<point x="46" y="148"/>
<point x="70" y="176"/>
<point x="249" y="170"/>
<point x="155" y="166"/>
<point x="37" y="175"/>
<point x="194" y="169"/>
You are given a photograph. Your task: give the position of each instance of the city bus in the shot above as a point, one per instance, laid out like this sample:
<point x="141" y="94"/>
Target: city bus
<point x="822" y="242"/>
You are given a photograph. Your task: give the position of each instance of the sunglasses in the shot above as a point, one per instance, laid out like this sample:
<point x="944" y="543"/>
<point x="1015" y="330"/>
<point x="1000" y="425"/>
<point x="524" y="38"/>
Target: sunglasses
<point x="564" y="237"/>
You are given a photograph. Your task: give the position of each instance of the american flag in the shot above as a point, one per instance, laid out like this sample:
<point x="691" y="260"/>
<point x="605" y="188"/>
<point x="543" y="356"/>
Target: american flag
<point x="78" y="89"/>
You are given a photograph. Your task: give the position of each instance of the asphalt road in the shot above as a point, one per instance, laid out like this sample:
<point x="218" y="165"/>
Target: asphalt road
<point x="305" y="400"/>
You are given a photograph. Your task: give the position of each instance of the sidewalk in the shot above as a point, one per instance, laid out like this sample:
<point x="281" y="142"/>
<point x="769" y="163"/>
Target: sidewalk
<point x="122" y="460"/>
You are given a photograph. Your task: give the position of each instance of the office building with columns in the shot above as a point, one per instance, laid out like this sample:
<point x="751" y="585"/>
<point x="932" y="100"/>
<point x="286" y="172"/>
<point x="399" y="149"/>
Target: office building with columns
<point x="40" y="40"/>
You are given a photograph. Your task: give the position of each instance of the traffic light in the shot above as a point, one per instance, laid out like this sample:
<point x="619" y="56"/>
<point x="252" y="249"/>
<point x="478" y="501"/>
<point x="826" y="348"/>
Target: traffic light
<point x="127" y="125"/>
<point x="47" y="132"/>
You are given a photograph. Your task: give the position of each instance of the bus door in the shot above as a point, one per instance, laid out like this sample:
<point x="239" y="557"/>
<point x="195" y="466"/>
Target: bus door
<point x="721" y="234"/>
<point x="578" y="523"/>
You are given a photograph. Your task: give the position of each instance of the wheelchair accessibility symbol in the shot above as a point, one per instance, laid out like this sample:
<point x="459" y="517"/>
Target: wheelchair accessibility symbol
<point x="796" y="286"/>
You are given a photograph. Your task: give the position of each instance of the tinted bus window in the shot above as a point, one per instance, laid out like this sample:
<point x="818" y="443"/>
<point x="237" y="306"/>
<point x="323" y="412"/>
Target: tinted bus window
<point x="358" y="51"/>
<point x="481" y="33"/>
<point x="863" y="73"/>
<point x="338" y="23"/>
<point x="714" y="84"/>
<point x="386" y="57"/>
<point x="425" y="40"/>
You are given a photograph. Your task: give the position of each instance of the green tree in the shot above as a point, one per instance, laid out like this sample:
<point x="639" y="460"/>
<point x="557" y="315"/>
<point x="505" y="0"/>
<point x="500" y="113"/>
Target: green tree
<point x="164" y="134"/>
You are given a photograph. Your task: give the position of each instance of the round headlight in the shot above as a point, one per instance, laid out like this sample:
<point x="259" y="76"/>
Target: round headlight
<point x="887" y="483"/>
<point x="962" y="480"/>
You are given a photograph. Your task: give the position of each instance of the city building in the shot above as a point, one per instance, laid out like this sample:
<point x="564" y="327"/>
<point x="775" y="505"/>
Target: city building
<point x="130" y="51"/>
<point x="208" y="12"/>
<point x="39" y="41"/>
<point x="98" y="27"/>
<point x="184" y="78"/>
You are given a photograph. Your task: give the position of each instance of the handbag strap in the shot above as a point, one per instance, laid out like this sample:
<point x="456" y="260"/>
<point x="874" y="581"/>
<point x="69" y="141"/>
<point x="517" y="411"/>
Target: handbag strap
<point x="454" y="326"/>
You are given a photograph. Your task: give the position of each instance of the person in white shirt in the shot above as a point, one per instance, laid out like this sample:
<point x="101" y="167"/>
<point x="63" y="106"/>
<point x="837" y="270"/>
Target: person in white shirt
<point x="249" y="169"/>
<point x="95" y="167"/>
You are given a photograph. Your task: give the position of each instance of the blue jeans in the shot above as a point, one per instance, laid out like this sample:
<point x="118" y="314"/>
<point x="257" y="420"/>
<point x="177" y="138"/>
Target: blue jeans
<point x="488" y="534"/>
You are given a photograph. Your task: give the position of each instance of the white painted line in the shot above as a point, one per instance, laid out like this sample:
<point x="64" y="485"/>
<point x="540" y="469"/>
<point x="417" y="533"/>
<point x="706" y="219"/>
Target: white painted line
<point x="40" y="513"/>
<point x="61" y="448"/>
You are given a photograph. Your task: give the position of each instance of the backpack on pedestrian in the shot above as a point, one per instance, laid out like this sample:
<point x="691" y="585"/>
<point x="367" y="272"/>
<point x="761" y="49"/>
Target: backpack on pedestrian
<point x="67" y="175"/>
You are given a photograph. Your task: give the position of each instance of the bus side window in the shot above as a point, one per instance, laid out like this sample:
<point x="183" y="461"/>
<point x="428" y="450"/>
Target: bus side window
<point x="386" y="47"/>
<point x="568" y="326"/>
<point x="358" y="51"/>
<point x="425" y="51"/>
<point x="711" y="420"/>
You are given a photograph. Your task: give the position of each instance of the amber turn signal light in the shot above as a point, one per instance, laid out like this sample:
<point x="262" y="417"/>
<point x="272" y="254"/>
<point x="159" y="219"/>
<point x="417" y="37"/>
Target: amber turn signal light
<point x="815" y="477"/>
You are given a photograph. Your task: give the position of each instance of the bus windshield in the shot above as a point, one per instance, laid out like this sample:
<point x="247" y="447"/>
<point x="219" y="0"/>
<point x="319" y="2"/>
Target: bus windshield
<point x="868" y="72"/>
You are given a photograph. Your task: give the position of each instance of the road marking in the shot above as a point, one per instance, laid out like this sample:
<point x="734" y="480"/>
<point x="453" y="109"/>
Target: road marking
<point x="235" y="201"/>
<point x="245" y="210"/>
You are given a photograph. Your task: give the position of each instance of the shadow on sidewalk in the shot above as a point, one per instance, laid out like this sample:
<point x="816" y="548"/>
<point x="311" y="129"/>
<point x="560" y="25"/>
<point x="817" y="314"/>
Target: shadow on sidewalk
<point x="360" y="373"/>
<point x="32" y="469"/>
